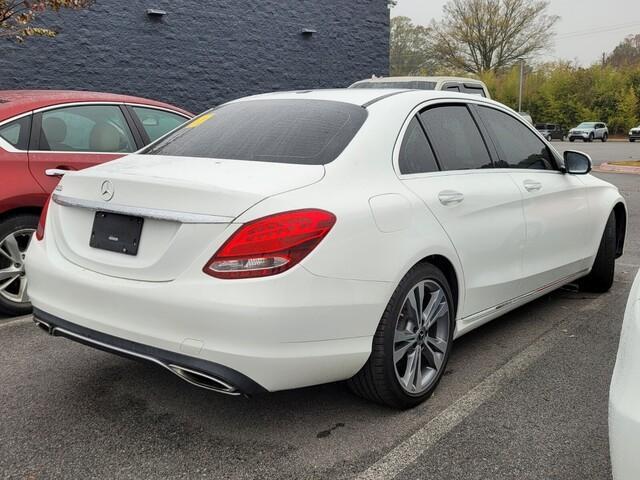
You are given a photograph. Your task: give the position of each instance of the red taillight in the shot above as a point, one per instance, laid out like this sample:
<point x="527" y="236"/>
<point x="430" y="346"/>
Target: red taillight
<point x="43" y="220"/>
<point x="271" y="244"/>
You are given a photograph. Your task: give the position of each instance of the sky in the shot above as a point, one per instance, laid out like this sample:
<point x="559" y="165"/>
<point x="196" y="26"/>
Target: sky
<point x="586" y="28"/>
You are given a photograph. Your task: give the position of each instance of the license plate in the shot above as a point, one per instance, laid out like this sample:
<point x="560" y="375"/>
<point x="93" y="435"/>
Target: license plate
<point x="116" y="233"/>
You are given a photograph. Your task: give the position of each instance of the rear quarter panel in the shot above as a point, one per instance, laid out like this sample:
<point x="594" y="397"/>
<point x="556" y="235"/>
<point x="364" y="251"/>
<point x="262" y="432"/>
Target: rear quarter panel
<point x="602" y="198"/>
<point x="355" y="184"/>
<point x="18" y="188"/>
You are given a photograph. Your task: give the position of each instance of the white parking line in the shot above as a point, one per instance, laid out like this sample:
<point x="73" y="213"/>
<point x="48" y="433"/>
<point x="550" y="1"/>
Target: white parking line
<point x="17" y="321"/>
<point x="409" y="451"/>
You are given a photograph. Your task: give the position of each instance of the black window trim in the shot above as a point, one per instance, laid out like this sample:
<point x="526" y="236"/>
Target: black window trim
<point x="552" y="153"/>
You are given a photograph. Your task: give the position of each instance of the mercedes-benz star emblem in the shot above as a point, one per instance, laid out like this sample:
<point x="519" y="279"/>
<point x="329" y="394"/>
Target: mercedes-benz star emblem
<point x="107" y="190"/>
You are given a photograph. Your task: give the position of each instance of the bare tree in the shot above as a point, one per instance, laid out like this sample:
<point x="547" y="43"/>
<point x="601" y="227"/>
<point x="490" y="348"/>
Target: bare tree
<point x="411" y="48"/>
<point x="489" y="35"/>
<point x="17" y="16"/>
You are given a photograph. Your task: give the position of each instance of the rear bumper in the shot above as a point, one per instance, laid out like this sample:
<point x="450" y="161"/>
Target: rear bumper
<point x="287" y="331"/>
<point x="193" y="370"/>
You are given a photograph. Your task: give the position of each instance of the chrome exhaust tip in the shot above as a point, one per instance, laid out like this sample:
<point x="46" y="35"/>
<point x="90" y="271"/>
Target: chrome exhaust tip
<point x="44" y="326"/>
<point x="203" y="380"/>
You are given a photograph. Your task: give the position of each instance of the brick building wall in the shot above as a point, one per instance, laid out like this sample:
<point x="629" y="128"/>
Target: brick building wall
<point x="202" y="53"/>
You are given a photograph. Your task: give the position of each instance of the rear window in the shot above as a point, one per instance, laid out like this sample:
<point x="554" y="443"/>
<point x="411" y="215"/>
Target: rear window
<point x="412" y="85"/>
<point x="17" y="132"/>
<point x="306" y="132"/>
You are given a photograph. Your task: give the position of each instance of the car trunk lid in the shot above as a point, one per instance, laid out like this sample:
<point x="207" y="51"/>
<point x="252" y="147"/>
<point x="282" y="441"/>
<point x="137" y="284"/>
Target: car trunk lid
<point x="187" y="206"/>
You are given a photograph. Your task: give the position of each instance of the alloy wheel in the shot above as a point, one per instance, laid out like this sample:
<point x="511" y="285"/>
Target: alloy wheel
<point x="421" y="337"/>
<point x="13" y="281"/>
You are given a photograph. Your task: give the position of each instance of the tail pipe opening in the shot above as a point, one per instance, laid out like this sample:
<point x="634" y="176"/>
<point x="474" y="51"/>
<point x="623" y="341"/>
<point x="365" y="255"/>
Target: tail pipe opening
<point x="203" y="380"/>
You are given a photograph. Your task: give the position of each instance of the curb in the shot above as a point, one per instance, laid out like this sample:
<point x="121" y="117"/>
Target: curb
<point x="609" y="168"/>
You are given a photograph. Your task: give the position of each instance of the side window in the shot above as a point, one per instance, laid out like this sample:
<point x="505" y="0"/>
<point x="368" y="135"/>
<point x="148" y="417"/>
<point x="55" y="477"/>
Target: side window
<point x="157" y="122"/>
<point x="517" y="146"/>
<point x="87" y="128"/>
<point x="455" y="138"/>
<point x="452" y="87"/>
<point x="473" y="90"/>
<point x="416" y="155"/>
<point x="17" y="132"/>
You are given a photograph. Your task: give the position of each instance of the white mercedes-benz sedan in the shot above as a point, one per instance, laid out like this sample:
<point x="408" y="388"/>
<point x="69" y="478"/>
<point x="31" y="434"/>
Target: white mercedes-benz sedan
<point x="624" y="396"/>
<point x="293" y="239"/>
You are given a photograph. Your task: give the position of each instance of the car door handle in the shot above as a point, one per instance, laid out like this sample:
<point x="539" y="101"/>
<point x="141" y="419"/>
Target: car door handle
<point x="532" y="186"/>
<point x="450" y="197"/>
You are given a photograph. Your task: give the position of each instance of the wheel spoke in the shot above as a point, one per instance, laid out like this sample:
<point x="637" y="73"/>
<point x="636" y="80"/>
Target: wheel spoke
<point x="400" y="352"/>
<point x="5" y="254"/>
<point x="417" y="376"/>
<point x="11" y="244"/>
<point x="8" y="273"/>
<point x="410" y="371"/>
<point x="434" y="359"/>
<point x="414" y="307"/>
<point x="436" y="344"/>
<point x="432" y="311"/>
<point x="404" y="336"/>
<point x="22" y="292"/>
<point x="8" y="282"/>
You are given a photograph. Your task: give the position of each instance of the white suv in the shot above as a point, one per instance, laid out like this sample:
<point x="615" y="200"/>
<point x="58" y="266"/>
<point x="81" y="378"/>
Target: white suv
<point x="589" y="131"/>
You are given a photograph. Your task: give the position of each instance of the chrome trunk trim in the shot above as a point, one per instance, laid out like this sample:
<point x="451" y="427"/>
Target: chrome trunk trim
<point x="152" y="213"/>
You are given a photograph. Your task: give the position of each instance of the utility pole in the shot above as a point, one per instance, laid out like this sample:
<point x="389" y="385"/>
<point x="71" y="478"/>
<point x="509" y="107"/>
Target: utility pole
<point x="521" y="83"/>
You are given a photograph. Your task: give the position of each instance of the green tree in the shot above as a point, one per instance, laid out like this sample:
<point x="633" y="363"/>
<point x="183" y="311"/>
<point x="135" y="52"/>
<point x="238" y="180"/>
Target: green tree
<point x="626" y="53"/>
<point x="17" y="16"/>
<point x="482" y="35"/>
<point x="410" y="51"/>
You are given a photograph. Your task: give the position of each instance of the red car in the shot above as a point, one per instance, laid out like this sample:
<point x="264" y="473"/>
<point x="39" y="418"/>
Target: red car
<point x="48" y="129"/>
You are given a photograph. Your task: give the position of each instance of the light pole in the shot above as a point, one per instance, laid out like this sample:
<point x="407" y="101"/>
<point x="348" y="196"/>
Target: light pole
<point x="521" y="84"/>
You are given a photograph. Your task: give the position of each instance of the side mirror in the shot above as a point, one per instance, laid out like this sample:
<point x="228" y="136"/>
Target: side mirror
<point x="577" y="163"/>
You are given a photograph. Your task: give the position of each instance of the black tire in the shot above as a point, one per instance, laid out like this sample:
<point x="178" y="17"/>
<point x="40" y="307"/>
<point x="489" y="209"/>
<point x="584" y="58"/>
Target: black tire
<point x="600" y="278"/>
<point x="590" y="138"/>
<point x="632" y="140"/>
<point x="571" y="139"/>
<point x="377" y="380"/>
<point x="605" y="137"/>
<point x="7" y="227"/>
<point x="549" y="138"/>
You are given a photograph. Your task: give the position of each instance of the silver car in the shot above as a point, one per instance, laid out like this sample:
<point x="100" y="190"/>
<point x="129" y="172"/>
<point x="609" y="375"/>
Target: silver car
<point x="589" y="131"/>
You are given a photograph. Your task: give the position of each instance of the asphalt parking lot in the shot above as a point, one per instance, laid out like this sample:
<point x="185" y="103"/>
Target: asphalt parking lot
<point x="523" y="397"/>
<point x="611" y="151"/>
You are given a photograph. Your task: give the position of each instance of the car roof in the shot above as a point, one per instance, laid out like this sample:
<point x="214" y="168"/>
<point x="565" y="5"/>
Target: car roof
<point x="363" y="97"/>
<point x="16" y="102"/>
<point x="420" y="79"/>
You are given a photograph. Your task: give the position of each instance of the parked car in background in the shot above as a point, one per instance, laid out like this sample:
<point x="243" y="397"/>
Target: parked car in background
<point x="551" y="131"/>
<point x="589" y="131"/>
<point x="302" y="255"/>
<point x="65" y="130"/>
<point x="449" y="84"/>
<point x="634" y="134"/>
<point x="624" y="394"/>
